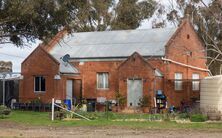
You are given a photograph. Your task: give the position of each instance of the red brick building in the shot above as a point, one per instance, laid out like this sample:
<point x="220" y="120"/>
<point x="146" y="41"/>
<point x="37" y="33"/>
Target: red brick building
<point x="96" y="65"/>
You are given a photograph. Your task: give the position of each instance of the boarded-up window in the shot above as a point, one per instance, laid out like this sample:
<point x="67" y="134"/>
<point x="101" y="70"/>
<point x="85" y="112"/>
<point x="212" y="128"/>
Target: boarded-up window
<point x="39" y="84"/>
<point x="195" y="82"/>
<point x="178" y="84"/>
<point x="103" y="80"/>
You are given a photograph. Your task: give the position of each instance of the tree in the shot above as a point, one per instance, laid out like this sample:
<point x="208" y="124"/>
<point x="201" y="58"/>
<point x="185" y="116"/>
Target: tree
<point x="31" y="19"/>
<point x="27" y="20"/>
<point x="130" y="13"/>
<point x="100" y="15"/>
<point x="207" y="21"/>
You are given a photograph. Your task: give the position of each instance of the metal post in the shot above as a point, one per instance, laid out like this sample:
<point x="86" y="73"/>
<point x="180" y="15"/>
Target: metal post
<point x="107" y="110"/>
<point x="3" y="91"/>
<point x="53" y="105"/>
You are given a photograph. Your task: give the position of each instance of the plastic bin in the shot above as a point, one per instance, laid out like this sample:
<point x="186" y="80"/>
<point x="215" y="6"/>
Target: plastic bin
<point x="91" y="105"/>
<point x="68" y="103"/>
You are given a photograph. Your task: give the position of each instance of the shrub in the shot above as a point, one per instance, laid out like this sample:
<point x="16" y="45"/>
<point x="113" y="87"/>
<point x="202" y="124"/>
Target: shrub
<point x="183" y="116"/>
<point x="59" y="114"/>
<point x="4" y="111"/>
<point x="145" y="101"/>
<point x="198" y="118"/>
<point x="121" y="100"/>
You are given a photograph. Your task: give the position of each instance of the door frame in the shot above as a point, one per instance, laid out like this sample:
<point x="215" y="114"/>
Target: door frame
<point x="128" y="91"/>
<point x="71" y="98"/>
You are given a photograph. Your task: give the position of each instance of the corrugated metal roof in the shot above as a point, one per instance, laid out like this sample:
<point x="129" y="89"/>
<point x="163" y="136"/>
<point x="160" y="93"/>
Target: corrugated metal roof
<point x="147" y="42"/>
<point x="65" y="67"/>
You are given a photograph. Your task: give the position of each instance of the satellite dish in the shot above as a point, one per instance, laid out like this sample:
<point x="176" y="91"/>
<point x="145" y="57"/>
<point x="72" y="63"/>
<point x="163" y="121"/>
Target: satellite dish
<point x="66" y="58"/>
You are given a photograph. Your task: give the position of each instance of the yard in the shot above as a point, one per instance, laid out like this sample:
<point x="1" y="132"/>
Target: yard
<point x="38" y="124"/>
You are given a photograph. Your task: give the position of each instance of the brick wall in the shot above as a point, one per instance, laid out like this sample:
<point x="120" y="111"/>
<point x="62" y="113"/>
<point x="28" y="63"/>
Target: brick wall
<point x="184" y="47"/>
<point x="38" y="63"/>
<point x="88" y="74"/>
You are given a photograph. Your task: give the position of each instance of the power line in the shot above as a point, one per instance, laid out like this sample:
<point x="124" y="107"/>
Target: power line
<point x="11" y="55"/>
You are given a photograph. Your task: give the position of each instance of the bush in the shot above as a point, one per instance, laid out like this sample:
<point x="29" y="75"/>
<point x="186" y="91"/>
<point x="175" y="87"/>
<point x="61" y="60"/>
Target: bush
<point x="59" y="115"/>
<point x="145" y="101"/>
<point x="198" y="118"/>
<point x="4" y="111"/>
<point x="183" y="116"/>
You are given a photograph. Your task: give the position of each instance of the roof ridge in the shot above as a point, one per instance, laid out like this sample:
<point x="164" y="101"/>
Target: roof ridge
<point x="114" y="44"/>
<point x="126" y="30"/>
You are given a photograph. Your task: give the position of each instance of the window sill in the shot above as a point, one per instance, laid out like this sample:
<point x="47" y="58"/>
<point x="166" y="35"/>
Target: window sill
<point x="103" y="89"/>
<point x="178" y="90"/>
<point x="39" y="92"/>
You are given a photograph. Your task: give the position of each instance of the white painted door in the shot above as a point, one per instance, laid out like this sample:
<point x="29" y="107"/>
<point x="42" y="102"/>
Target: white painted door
<point x="134" y="92"/>
<point x="69" y="89"/>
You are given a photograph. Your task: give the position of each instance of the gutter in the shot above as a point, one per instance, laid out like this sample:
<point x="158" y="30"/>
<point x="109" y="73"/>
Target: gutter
<point x="185" y="65"/>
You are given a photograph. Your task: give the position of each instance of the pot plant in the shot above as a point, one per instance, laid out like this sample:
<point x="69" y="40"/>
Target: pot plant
<point x="121" y="101"/>
<point x="145" y="103"/>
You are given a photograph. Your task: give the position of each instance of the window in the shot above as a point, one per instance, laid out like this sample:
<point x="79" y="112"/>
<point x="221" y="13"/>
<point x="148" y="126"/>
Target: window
<point x="39" y="84"/>
<point x="195" y="82"/>
<point x="103" y="80"/>
<point x="188" y="36"/>
<point x="178" y="81"/>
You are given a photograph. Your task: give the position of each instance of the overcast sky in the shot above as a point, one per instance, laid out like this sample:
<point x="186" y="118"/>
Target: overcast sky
<point x="9" y="52"/>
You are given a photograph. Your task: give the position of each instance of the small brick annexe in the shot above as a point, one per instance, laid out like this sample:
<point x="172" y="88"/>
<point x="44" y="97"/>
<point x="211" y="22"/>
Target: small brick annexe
<point x="183" y="54"/>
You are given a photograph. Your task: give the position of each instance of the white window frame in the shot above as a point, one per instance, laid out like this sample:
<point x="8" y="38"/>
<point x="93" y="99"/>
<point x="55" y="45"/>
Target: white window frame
<point x="40" y="91"/>
<point x="195" y="82"/>
<point x="105" y="83"/>
<point x="178" y="83"/>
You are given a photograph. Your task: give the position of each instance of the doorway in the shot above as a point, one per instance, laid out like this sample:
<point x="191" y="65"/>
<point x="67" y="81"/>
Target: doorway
<point x="134" y="92"/>
<point x="69" y="90"/>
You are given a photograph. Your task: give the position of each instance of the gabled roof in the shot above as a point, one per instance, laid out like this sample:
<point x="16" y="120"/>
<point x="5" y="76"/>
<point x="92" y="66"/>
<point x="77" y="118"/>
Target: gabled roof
<point x="136" y="55"/>
<point x="113" y="44"/>
<point x="40" y="47"/>
<point x="63" y="67"/>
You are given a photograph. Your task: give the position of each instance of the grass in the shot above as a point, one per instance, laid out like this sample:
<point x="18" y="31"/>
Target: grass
<point x="43" y="119"/>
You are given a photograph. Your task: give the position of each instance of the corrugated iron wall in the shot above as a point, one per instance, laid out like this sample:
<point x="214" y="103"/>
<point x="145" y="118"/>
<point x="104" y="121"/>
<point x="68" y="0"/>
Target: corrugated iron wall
<point x="11" y="91"/>
<point x="211" y="94"/>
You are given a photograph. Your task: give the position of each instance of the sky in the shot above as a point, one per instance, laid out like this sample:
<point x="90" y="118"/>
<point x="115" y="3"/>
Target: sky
<point x="9" y="52"/>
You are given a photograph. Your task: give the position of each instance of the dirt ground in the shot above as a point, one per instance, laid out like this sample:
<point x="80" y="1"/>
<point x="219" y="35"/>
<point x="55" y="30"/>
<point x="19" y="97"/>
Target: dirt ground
<point x="16" y="130"/>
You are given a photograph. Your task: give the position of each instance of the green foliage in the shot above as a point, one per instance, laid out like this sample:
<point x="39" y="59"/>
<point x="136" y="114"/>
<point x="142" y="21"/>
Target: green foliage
<point x="207" y="22"/>
<point x="94" y="115"/>
<point x="59" y="114"/>
<point x="145" y="101"/>
<point x="183" y="116"/>
<point x="198" y="118"/>
<point x="42" y="19"/>
<point x="120" y="99"/>
<point x="130" y="13"/>
<point x="4" y="111"/>
<point x="36" y="101"/>
<point x="31" y="19"/>
<point x="42" y="119"/>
